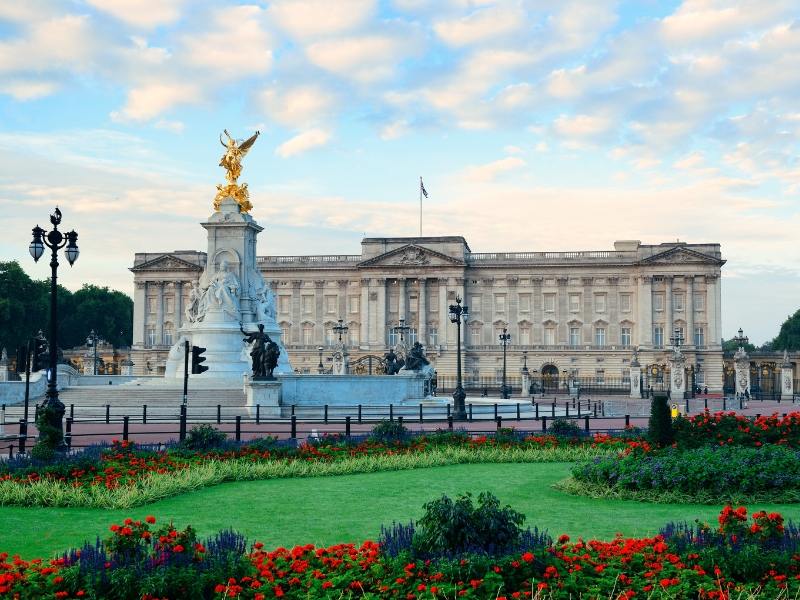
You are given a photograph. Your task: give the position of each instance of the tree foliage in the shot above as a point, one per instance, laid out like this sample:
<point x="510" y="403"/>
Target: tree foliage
<point x="25" y="309"/>
<point x="659" y="431"/>
<point x="732" y="346"/>
<point x="789" y="336"/>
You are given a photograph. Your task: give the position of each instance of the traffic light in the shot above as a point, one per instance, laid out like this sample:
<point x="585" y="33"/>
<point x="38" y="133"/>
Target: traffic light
<point x="198" y="358"/>
<point x="22" y="361"/>
<point x="40" y="360"/>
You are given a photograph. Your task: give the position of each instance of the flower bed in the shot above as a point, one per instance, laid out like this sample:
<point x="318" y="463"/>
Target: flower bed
<point x="728" y="429"/>
<point x="123" y="463"/>
<point x="753" y="558"/>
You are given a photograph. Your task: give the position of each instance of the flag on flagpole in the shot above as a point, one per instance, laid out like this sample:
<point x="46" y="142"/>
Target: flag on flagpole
<point x="422" y="188"/>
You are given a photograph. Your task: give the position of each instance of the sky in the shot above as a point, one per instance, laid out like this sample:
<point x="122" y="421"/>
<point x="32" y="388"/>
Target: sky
<point x="536" y="126"/>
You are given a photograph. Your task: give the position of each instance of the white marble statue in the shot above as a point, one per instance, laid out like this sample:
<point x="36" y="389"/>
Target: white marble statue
<point x="194" y="302"/>
<point x="265" y="309"/>
<point x="222" y="293"/>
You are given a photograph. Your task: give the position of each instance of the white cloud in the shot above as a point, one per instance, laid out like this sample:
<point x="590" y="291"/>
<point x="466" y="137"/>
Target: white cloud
<point x="66" y="42"/>
<point x="173" y="126"/>
<point x="481" y="25"/>
<point x="643" y="164"/>
<point x="490" y="171"/>
<point x="28" y="90"/>
<point x="395" y="130"/>
<point x="542" y="147"/>
<point x="581" y="126"/>
<point x="313" y="138"/>
<point x="364" y="59"/>
<point x="148" y="102"/>
<point x="306" y="19"/>
<point x="690" y="161"/>
<point x="141" y="13"/>
<point x="513" y="150"/>
<point x="297" y="107"/>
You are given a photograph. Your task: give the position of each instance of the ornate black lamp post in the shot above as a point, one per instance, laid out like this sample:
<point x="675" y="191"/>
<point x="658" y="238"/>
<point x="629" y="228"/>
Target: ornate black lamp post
<point x="340" y="328"/>
<point x="92" y="339"/>
<point x="401" y="329"/>
<point x="459" y="314"/>
<point x="525" y="375"/>
<point x="54" y="240"/>
<point x="742" y="339"/>
<point x="505" y="339"/>
<point x="320" y="368"/>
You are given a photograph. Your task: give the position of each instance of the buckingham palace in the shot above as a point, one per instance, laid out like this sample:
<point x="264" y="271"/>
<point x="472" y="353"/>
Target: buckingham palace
<point x="577" y="313"/>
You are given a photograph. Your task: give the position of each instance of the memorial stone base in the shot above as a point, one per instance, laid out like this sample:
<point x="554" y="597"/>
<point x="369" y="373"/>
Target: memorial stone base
<point x="265" y="393"/>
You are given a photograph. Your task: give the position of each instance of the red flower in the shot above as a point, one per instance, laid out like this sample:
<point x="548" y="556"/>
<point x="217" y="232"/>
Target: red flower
<point x="151" y="520"/>
<point x="177" y="548"/>
<point x="527" y="557"/>
<point x="327" y="584"/>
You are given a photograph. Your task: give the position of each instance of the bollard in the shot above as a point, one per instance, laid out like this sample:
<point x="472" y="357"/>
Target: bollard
<point x="258" y="414"/>
<point x="554" y="409"/>
<point x="579" y="409"/>
<point x="238" y="428"/>
<point x="125" y="420"/>
<point x="448" y="411"/>
<point x="108" y="413"/>
<point x="784" y="415"/>
<point x="573" y="403"/>
<point x="391" y="413"/>
<point x="72" y="411"/>
<point x="36" y="413"/>
<point x="544" y="423"/>
<point x="758" y="416"/>
<point x="68" y="432"/>
<point x="518" y="416"/>
<point x="182" y="430"/>
<point x="420" y="413"/>
<point x="723" y="403"/>
<point x="470" y="413"/>
<point x="586" y="423"/>
<point x="627" y="420"/>
<point x="219" y="414"/>
<point x="499" y="422"/>
<point x="23" y="434"/>
<point x="705" y="403"/>
<point x="293" y="405"/>
<point x="144" y="414"/>
<point x="450" y="422"/>
<point x="359" y="414"/>
<point x="595" y="410"/>
<point x="536" y="405"/>
<point x="11" y="451"/>
<point x="400" y="419"/>
<point x="326" y="413"/>
<point x="347" y="426"/>
<point x="294" y="427"/>
<point x="566" y="406"/>
<point x="495" y="412"/>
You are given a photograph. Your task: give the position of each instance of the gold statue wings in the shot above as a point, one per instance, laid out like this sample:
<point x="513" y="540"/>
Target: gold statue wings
<point x="235" y="150"/>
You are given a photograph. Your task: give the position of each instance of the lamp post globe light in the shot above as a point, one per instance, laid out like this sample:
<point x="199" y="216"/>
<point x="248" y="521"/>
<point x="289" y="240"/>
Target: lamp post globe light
<point x="401" y="329"/>
<point x="55" y="240"/>
<point x="340" y="329"/>
<point x="505" y="340"/>
<point x="320" y="368"/>
<point x="457" y="315"/>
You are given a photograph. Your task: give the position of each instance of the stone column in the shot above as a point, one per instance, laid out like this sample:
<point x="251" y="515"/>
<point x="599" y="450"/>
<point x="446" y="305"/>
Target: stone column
<point x="381" y="327"/>
<point x="787" y="378"/>
<point x="364" y="314"/>
<point x="422" y="312"/>
<point x="401" y="299"/>
<point x="587" y="311"/>
<point x="742" y="362"/>
<point x="319" y="310"/>
<point x="444" y="311"/>
<point x="297" y="312"/>
<point x="668" y="314"/>
<point x="177" y="309"/>
<point x="562" y="311"/>
<point x="139" y="313"/>
<point x="536" y="311"/>
<point x="636" y="372"/>
<point x="690" y="319"/>
<point x="712" y="333"/>
<point x="646" y="312"/>
<point x="677" y="376"/>
<point x="342" y="299"/>
<point x="160" y="313"/>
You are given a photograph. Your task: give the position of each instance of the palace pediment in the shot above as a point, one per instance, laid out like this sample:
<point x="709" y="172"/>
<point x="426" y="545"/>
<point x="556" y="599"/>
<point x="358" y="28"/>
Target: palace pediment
<point x="166" y="262"/>
<point x="412" y="255"/>
<point x="681" y="256"/>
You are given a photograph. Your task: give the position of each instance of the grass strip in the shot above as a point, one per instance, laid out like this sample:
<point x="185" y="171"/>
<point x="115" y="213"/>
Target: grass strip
<point x="600" y="491"/>
<point x="157" y="486"/>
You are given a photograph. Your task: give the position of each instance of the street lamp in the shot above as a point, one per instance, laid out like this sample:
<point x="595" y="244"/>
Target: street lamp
<point x="340" y="328"/>
<point x="92" y="339"/>
<point x="401" y="329"/>
<point x="320" y="368"/>
<point x="742" y="339"/>
<point x="505" y="340"/>
<point x="459" y="314"/>
<point x="55" y="240"/>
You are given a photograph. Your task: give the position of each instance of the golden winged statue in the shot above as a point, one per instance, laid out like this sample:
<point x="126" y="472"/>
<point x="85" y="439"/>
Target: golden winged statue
<point x="235" y="151"/>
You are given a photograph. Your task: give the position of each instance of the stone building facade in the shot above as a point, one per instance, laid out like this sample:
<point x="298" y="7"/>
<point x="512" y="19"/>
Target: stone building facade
<point x="579" y="313"/>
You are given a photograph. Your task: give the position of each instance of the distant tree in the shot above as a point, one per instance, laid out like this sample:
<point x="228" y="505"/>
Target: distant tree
<point x="789" y="336"/>
<point x="24" y="306"/>
<point x="733" y="346"/>
<point x="25" y="309"/>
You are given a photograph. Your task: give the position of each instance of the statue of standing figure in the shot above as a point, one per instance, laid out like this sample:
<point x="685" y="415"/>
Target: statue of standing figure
<point x="264" y="353"/>
<point x="393" y="363"/>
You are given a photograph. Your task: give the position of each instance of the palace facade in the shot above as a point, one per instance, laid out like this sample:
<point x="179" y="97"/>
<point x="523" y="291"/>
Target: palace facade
<point x="579" y="314"/>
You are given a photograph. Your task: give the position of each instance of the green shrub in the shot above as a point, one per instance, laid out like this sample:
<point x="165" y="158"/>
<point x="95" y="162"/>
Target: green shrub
<point x="456" y="527"/>
<point x="50" y="438"/>
<point x="203" y="436"/>
<point x="564" y="428"/>
<point x="660" y="433"/>
<point x="389" y="429"/>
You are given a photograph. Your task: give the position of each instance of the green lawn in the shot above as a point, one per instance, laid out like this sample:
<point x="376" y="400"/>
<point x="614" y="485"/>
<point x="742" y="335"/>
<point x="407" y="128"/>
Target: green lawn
<point x="327" y="510"/>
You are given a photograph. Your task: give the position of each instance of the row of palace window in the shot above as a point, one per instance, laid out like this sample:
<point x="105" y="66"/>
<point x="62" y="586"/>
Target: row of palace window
<point x="660" y="340"/>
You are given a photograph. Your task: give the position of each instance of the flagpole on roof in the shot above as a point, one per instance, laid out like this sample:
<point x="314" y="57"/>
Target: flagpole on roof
<point x="420" y="206"/>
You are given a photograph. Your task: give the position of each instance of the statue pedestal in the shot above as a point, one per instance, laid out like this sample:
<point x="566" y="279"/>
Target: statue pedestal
<point x="265" y="393"/>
